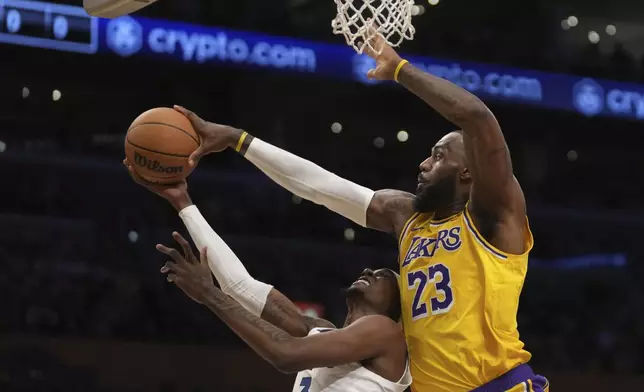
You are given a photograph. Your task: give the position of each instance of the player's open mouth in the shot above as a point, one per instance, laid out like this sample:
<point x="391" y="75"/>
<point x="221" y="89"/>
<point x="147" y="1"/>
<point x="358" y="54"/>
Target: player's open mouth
<point x="362" y="281"/>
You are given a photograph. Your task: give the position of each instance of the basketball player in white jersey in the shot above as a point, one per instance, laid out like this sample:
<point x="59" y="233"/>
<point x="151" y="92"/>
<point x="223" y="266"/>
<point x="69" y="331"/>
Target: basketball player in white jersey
<point x="368" y="354"/>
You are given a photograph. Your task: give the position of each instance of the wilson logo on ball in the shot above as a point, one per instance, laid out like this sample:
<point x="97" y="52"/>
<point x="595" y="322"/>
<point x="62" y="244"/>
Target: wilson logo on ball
<point x="154" y="165"/>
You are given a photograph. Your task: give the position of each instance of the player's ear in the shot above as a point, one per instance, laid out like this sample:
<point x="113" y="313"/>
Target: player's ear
<point x="465" y="176"/>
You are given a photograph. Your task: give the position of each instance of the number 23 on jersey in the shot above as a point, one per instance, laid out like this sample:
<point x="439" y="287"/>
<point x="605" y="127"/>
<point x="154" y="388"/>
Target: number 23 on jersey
<point x="436" y="276"/>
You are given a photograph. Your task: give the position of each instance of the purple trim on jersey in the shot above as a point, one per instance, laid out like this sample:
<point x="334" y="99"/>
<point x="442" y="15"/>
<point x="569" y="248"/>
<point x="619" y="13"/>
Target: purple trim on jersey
<point x="480" y="239"/>
<point x="406" y="227"/>
<point x="539" y="383"/>
<point x="514" y="377"/>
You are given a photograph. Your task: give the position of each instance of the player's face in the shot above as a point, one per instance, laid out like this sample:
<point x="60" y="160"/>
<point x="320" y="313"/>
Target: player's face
<point x="379" y="288"/>
<point x="440" y="174"/>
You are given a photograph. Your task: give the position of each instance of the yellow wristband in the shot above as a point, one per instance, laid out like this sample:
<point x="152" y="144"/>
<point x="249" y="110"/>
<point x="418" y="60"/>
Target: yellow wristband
<point x="398" y="68"/>
<point x="241" y="141"/>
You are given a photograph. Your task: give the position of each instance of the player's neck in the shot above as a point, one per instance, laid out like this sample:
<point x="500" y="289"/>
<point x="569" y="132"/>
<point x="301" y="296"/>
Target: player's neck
<point x="451" y="209"/>
<point x="357" y="310"/>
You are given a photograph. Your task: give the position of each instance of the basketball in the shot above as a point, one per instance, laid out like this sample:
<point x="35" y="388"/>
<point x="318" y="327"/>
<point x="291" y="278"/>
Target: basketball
<point x="158" y="144"/>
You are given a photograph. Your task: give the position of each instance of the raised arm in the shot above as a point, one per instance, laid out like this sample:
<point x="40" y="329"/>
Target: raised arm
<point x="385" y="210"/>
<point x="495" y="191"/>
<point x="257" y="297"/>
<point x="495" y="194"/>
<point x="366" y="338"/>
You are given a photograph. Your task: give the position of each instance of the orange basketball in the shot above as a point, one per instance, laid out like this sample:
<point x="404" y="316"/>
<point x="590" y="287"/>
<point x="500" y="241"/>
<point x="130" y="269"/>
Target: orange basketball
<point x="158" y="144"/>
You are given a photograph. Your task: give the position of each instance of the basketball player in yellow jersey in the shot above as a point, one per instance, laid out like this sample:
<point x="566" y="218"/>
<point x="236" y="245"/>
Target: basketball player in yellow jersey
<point x="463" y="237"/>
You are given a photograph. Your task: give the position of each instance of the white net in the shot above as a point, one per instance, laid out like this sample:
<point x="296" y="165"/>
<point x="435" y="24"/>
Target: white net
<point x="360" y="20"/>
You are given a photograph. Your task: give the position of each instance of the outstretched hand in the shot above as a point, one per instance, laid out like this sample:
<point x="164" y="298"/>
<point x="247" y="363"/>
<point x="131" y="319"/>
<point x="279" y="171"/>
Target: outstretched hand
<point x="214" y="137"/>
<point x="192" y="275"/>
<point x="386" y="61"/>
<point x="176" y="193"/>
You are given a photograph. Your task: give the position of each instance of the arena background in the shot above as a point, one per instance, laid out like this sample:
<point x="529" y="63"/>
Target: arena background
<point x="84" y="307"/>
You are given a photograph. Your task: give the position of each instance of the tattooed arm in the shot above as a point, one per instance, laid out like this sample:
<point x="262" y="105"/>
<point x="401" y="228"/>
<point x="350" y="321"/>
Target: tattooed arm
<point x="366" y="338"/>
<point x="389" y="210"/>
<point x="257" y="297"/>
<point x="283" y="313"/>
<point x="495" y="194"/>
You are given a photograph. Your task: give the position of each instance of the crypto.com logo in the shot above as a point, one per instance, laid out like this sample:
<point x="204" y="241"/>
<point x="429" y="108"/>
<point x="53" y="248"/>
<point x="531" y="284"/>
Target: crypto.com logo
<point x="588" y="97"/>
<point x="124" y="36"/>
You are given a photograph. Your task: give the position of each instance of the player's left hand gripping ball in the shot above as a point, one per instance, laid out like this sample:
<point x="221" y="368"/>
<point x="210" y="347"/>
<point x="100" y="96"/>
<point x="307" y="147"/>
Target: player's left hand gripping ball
<point x="176" y="193"/>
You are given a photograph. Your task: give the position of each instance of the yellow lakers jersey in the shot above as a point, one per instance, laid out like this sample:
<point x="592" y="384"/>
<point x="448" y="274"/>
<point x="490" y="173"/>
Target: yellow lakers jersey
<point x="460" y="297"/>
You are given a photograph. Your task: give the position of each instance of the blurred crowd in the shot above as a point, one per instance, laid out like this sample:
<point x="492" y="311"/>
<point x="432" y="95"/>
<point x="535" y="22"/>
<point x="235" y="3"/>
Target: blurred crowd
<point x="91" y="271"/>
<point x="77" y="247"/>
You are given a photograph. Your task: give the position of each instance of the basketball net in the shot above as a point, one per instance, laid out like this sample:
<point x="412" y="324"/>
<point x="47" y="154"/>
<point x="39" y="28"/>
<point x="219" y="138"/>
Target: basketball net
<point x="360" y="20"/>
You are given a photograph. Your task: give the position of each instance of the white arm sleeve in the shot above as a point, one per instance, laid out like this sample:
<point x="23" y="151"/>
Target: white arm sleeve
<point x="231" y="274"/>
<point x="310" y="181"/>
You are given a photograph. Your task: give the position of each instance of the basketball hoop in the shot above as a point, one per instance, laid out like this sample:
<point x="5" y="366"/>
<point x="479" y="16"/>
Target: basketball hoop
<point x="360" y="20"/>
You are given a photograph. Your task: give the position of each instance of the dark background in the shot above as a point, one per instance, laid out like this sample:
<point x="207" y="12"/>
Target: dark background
<point x="84" y="307"/>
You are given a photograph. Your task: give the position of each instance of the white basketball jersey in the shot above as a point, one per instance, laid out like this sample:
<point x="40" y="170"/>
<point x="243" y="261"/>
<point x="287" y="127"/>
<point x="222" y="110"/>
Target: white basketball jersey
<point x="352" y="377"/>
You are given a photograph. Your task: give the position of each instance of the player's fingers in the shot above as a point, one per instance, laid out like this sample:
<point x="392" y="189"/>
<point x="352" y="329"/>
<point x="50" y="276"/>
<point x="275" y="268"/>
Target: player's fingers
<point x="196" y="156"/>
<point x="195" y="120"/>
<point x="374" y="46"/>
<point x="132" y="174"/>
<point x="182" y="110"/>
<point x="372" y="30"/>
<point x="163" y="249"/>
<point x="168" y="266"/>
<point x="371" y="23"/>
<point x="182" y="241"/>
<point x="130" y="171"/>
<point x="187" y="250"/>
<point x="176" y="256"/>
<point x="135" y="176"/>
<point x="369" y="50"/>
<point x="376" y="39"/>
<point x="171" y="278"/>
